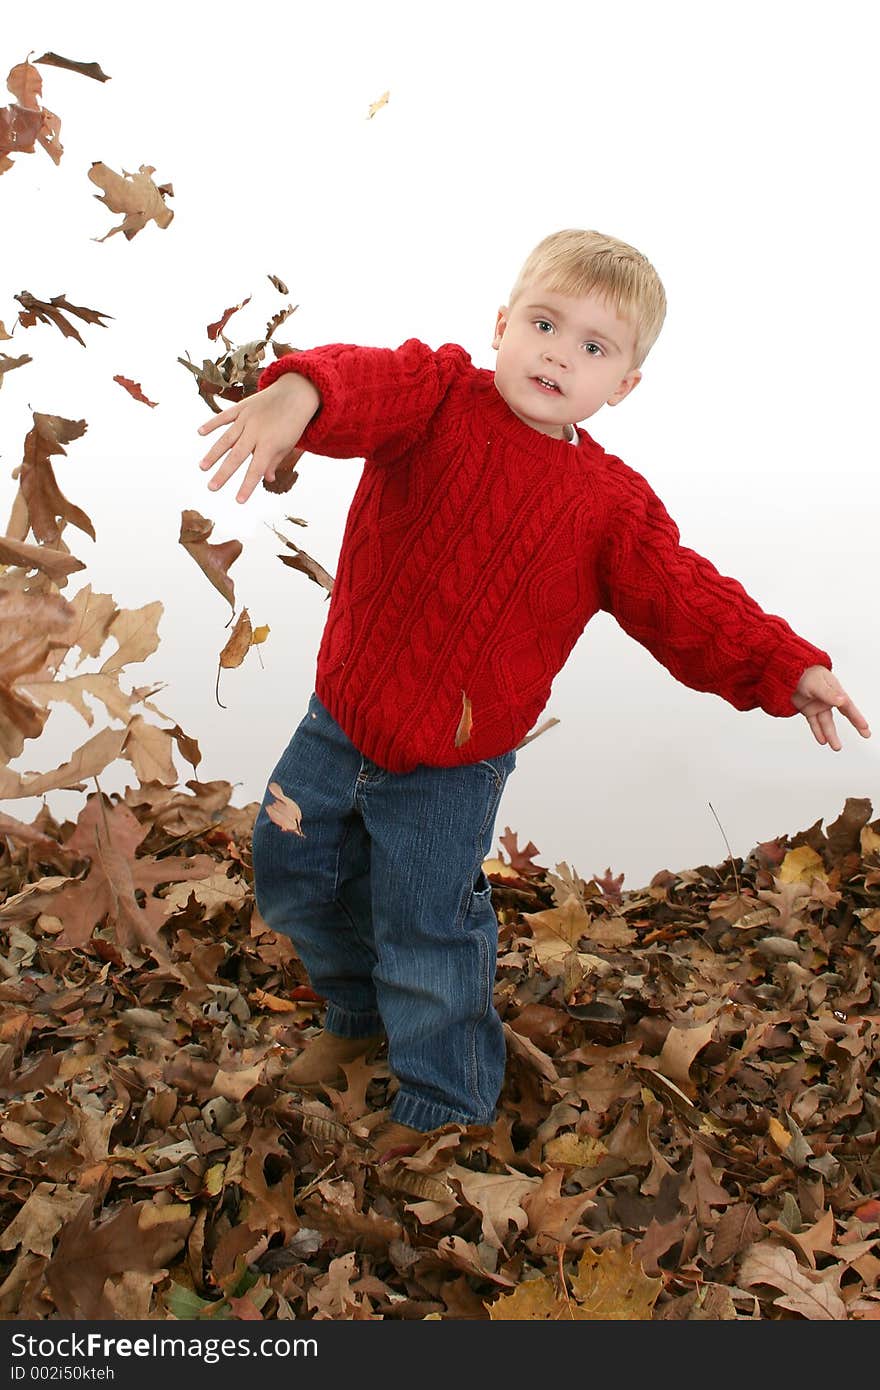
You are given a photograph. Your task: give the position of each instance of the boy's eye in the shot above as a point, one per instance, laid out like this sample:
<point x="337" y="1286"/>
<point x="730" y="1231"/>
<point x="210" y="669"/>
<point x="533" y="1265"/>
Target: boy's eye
<point x="539" y="322"/>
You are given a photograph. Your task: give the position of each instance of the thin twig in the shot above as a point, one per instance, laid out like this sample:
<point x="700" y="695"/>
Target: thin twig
<point x="560" y="1249"/>
<point x="729" y="850"/>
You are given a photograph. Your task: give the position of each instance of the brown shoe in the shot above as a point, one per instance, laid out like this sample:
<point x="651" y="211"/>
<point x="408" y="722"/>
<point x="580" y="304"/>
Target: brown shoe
<point x="320" y="1062"/>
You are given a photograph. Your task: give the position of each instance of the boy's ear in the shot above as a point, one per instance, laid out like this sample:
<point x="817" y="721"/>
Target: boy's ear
<point x="629" y="383"/>
<point x="500" y="325"/>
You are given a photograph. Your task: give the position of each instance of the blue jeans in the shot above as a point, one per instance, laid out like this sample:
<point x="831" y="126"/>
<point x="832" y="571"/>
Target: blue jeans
<point x="385" y="898"/>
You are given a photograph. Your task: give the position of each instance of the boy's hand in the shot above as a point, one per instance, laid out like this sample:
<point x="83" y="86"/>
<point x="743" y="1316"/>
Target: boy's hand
<point x="818" y="693"/>
<point x="268" y="425"/>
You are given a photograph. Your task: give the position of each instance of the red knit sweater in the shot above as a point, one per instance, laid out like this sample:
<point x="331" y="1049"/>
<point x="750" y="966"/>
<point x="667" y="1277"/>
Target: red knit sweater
<point x="476" y="550"/>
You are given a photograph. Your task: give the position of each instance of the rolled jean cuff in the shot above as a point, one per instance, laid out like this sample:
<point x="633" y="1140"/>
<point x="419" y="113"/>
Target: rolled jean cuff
<point x="407" y="1109"/>
<point x="345" y="1024"/>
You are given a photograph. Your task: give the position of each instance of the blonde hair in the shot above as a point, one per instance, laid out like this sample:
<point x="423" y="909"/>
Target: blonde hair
<point x="574" y="262"/>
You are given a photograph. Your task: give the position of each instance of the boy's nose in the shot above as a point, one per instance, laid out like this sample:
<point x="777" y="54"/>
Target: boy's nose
<point x="555" y="358"/>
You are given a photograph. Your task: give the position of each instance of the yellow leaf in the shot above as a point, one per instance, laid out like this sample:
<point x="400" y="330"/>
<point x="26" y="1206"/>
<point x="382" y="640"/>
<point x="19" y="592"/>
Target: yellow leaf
<point x="779" y="1134"/>
<point x="801" y="865"/>
<point x="574" y="1151"/>
<point x="260" y="634"/>
<point x="613" y="1284"/>
<point x="214" y="1179"/>
<point x="375" y="106"/>
<point x="536" y="1298"/>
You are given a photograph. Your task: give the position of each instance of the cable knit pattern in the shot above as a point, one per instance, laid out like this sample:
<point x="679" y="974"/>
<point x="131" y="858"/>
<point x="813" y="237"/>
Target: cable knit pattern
<point x="475" y="552"/>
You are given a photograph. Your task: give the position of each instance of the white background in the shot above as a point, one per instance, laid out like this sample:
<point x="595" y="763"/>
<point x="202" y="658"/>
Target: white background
<point x="734" y="145"/>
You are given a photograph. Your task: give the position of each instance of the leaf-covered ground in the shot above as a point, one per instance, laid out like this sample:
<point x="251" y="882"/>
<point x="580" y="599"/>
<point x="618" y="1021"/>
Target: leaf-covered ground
<point x="688" y="1127"/>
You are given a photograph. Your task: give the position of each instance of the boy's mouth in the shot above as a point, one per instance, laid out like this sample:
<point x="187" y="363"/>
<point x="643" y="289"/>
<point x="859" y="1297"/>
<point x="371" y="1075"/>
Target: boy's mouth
<point x="547" y="383"/>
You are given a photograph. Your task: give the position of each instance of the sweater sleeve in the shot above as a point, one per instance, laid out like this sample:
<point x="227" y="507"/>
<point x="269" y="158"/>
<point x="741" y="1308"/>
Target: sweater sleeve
<point x="375" y="402"/>
<point x="701" y="625"/>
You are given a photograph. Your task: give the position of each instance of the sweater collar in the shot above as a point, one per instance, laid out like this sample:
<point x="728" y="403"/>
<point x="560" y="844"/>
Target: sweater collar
<point x="507" y="423"/>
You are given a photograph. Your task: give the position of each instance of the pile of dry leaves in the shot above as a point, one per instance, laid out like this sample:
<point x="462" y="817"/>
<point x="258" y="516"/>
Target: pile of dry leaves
<point x="688" y="1127"/>
<point x="689" y="1123"/>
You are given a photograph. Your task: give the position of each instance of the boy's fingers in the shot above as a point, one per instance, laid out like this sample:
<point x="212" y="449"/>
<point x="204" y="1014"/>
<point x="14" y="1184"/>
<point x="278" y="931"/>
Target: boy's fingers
<point x="259" y="465"/>
<point x="826" y="723"/>
<point x="230" y="465"/>
<point x="223" y="418"/>
<point x="854" y="715"/>
<point x="230" y="440"/>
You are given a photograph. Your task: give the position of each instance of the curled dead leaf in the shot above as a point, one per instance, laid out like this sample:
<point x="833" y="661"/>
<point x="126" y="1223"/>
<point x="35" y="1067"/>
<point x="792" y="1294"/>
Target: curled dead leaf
<point x="284" y="811"/>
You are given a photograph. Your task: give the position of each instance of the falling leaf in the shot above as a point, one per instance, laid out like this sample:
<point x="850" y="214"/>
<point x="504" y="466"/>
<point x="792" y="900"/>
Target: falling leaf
<point x="135" y="631"/>
<point x="50" y="311"/>
<point x="55" y="563"/>
<point x="376" y="105"/>
<point x="239" y="643"/>
<point x="134" y="389"/>
<point x="304" y="562"/>
<point x="214" y="560"/>
<point x="89" y="760"/>
<point x="84" y="69"/>
<point x="135" y="195"/>
<point x="27" y="121"/>
<point x="215" y="330"/>
<point x="46" y="504"/>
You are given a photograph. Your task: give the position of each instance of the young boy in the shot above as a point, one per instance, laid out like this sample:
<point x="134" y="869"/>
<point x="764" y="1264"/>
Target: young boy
<point x="485" y="532"/>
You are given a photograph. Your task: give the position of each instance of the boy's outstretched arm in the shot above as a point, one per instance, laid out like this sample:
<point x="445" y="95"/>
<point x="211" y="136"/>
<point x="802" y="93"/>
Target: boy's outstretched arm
<point x="361" y="402"/>
<point x="703" y="626"/>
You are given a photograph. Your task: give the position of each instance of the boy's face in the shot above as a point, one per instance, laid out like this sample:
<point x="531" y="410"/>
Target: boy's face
<point x="577" y="342"/>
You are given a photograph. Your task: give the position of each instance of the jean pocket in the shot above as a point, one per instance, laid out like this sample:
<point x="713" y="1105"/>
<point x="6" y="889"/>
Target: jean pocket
<point x="481" y="895"/>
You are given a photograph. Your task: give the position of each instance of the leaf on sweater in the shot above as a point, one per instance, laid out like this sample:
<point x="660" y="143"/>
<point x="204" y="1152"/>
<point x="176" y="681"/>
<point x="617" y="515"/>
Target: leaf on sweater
<point x="465" y="723"/>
